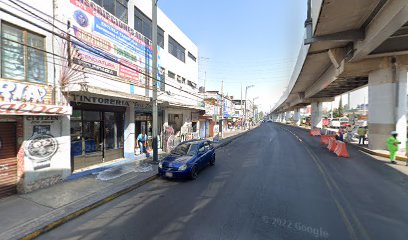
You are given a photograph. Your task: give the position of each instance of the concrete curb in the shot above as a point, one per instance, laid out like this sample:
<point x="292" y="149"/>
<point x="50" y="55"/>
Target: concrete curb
<point x="73" y="212"/>
<point x="230" y="139"/>
<point x="58" y="217"/>
<point x="369" y="151"/>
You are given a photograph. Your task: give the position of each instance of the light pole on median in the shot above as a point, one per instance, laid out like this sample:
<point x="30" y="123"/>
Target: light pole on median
<point x="245" y="113"/>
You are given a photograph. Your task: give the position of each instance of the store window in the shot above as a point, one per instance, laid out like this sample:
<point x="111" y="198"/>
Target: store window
<point x="22" y="54"/>
<point x="177" y="50"/>
<point x="119" y="8"/>
<point x="192" y="57"/>
<point x="171" y="74"/>
<point x="143" y="24"/>
<point x="176" y="121"/>
<point x="162" y="76"/>
<point x="95" y="131"/>
<point x="113" y="123"/>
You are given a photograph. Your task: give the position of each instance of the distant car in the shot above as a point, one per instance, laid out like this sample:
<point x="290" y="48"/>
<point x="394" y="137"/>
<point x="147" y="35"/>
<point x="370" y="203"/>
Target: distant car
<point x="187" y="159"/>
<point x="339" y="122"/>
<point x="307" y="121"/>
<point x="362" y="123"/>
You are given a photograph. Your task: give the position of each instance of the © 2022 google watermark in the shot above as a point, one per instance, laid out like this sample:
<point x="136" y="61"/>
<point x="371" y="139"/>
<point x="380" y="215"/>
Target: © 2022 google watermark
<point x="296" y="226"/>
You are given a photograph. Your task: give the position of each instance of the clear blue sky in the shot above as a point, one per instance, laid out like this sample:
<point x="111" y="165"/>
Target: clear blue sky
<point x="248" y="42"/>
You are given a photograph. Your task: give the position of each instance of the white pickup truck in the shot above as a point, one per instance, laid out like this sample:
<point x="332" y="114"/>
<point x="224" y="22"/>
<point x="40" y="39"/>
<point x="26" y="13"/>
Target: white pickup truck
<point x="339" y="122"/>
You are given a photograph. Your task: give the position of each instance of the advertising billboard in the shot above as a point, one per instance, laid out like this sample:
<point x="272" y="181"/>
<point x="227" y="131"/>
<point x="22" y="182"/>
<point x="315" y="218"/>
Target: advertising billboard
<point x="107" y="45"/>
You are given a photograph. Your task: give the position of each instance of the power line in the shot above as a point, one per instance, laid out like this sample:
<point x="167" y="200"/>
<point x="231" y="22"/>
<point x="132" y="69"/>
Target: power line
<point x="97" y="74"/>
<point x="91" y="50"/>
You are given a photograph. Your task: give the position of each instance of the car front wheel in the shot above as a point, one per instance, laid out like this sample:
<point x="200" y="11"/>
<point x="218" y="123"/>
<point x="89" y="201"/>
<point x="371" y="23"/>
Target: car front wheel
<point x="212" y="161"/>
<point x="194" y="173"/>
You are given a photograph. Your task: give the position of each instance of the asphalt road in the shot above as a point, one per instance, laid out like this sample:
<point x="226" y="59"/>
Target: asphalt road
<point x="276" y="182"/>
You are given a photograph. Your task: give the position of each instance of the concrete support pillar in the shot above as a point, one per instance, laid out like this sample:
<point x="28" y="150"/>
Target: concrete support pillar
<point x="296" y="117"/>
<point x="284" y="117"/>
<point x="287" y="116"/>
<point x="129" y="145"/>
<point x="387" y="106"/>
<point x="317" y="114"/>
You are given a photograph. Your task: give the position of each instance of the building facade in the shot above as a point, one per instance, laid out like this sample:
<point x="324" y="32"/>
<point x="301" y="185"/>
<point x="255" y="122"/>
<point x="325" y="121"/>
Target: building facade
<point x="76" y="85"/>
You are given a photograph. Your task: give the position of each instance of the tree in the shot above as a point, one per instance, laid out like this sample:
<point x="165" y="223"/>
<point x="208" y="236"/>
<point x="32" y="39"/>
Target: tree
<point x="260" y="115"/>
<point x="340" y="110"/>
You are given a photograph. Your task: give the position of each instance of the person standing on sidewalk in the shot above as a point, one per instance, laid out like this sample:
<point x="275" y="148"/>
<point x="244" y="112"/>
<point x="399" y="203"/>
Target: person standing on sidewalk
<point x="141" y="141"/>
<point x="392" y="145"/>
<point x="406" y="153"/>
<point x="361" y="135"/>
<point x="340" y="135"/>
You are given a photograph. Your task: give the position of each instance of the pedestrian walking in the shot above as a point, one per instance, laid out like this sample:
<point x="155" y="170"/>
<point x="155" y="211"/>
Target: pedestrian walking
<point x="141" y="141"/>
<point x="392" y="145"/>
<point x="361" y="135"/>
<point x="349" y="136"/>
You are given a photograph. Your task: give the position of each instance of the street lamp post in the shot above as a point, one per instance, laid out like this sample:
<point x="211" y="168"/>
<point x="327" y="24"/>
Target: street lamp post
<point x="245" y="113"/>
<point x="253" y="110"/>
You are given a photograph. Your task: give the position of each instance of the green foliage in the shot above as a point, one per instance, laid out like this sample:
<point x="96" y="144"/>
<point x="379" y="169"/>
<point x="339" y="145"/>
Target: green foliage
<point x="339" y="112"/>
<point x="260" y="115"/>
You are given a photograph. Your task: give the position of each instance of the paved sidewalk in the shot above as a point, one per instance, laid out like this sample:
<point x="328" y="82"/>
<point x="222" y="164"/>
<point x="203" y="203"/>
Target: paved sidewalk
<point x="29" y="215"/>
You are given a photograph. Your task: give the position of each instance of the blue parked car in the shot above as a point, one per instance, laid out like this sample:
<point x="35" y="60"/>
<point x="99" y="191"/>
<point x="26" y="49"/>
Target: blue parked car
<point x="187" y="159"/>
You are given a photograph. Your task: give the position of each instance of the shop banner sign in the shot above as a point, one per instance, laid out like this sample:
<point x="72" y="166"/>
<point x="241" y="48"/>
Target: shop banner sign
<point x="19" y="108"/>
<point x="11" y="91"/>
<point x="194" y="116"/>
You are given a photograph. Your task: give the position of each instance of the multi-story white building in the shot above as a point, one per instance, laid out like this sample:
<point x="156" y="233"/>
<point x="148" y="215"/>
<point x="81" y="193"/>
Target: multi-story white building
<point x="75" y="85"/>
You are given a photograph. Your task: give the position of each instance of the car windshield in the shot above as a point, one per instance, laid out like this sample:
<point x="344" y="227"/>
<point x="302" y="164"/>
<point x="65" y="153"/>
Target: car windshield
<point x="189" y="149"/>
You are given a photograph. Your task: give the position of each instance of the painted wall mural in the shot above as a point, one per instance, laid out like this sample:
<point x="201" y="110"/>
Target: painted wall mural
<point x="42" y="145"/>
<point x="28" y="99"/>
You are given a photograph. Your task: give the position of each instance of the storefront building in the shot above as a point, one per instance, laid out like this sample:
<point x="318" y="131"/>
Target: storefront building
<point x="34" y="144"/>
<point x="34" y="115"/>
<point x="66" y="106"/>
<point x="97" y="129"/>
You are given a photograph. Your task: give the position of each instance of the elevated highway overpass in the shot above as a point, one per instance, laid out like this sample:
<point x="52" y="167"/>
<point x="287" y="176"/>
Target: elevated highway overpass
<point x="349" y="44"/>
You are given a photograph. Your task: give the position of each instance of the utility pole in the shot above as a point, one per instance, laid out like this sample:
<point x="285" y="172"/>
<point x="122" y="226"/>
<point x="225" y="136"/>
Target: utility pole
<point x="245" y="113"/>
<point x="154" y="81"/>
<point x="246" y="91"/>
<point x="242" y="116"/>
<point x="253" y="110"/>
<point x="222" y="109"/>
<point x="205" y="79"/>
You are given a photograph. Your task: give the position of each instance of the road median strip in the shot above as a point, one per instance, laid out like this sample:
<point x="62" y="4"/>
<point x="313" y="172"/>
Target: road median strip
<point x="361" y="148"/>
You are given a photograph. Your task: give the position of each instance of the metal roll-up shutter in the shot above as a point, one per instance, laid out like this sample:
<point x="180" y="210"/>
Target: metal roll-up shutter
<point x="8" y="159"/>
